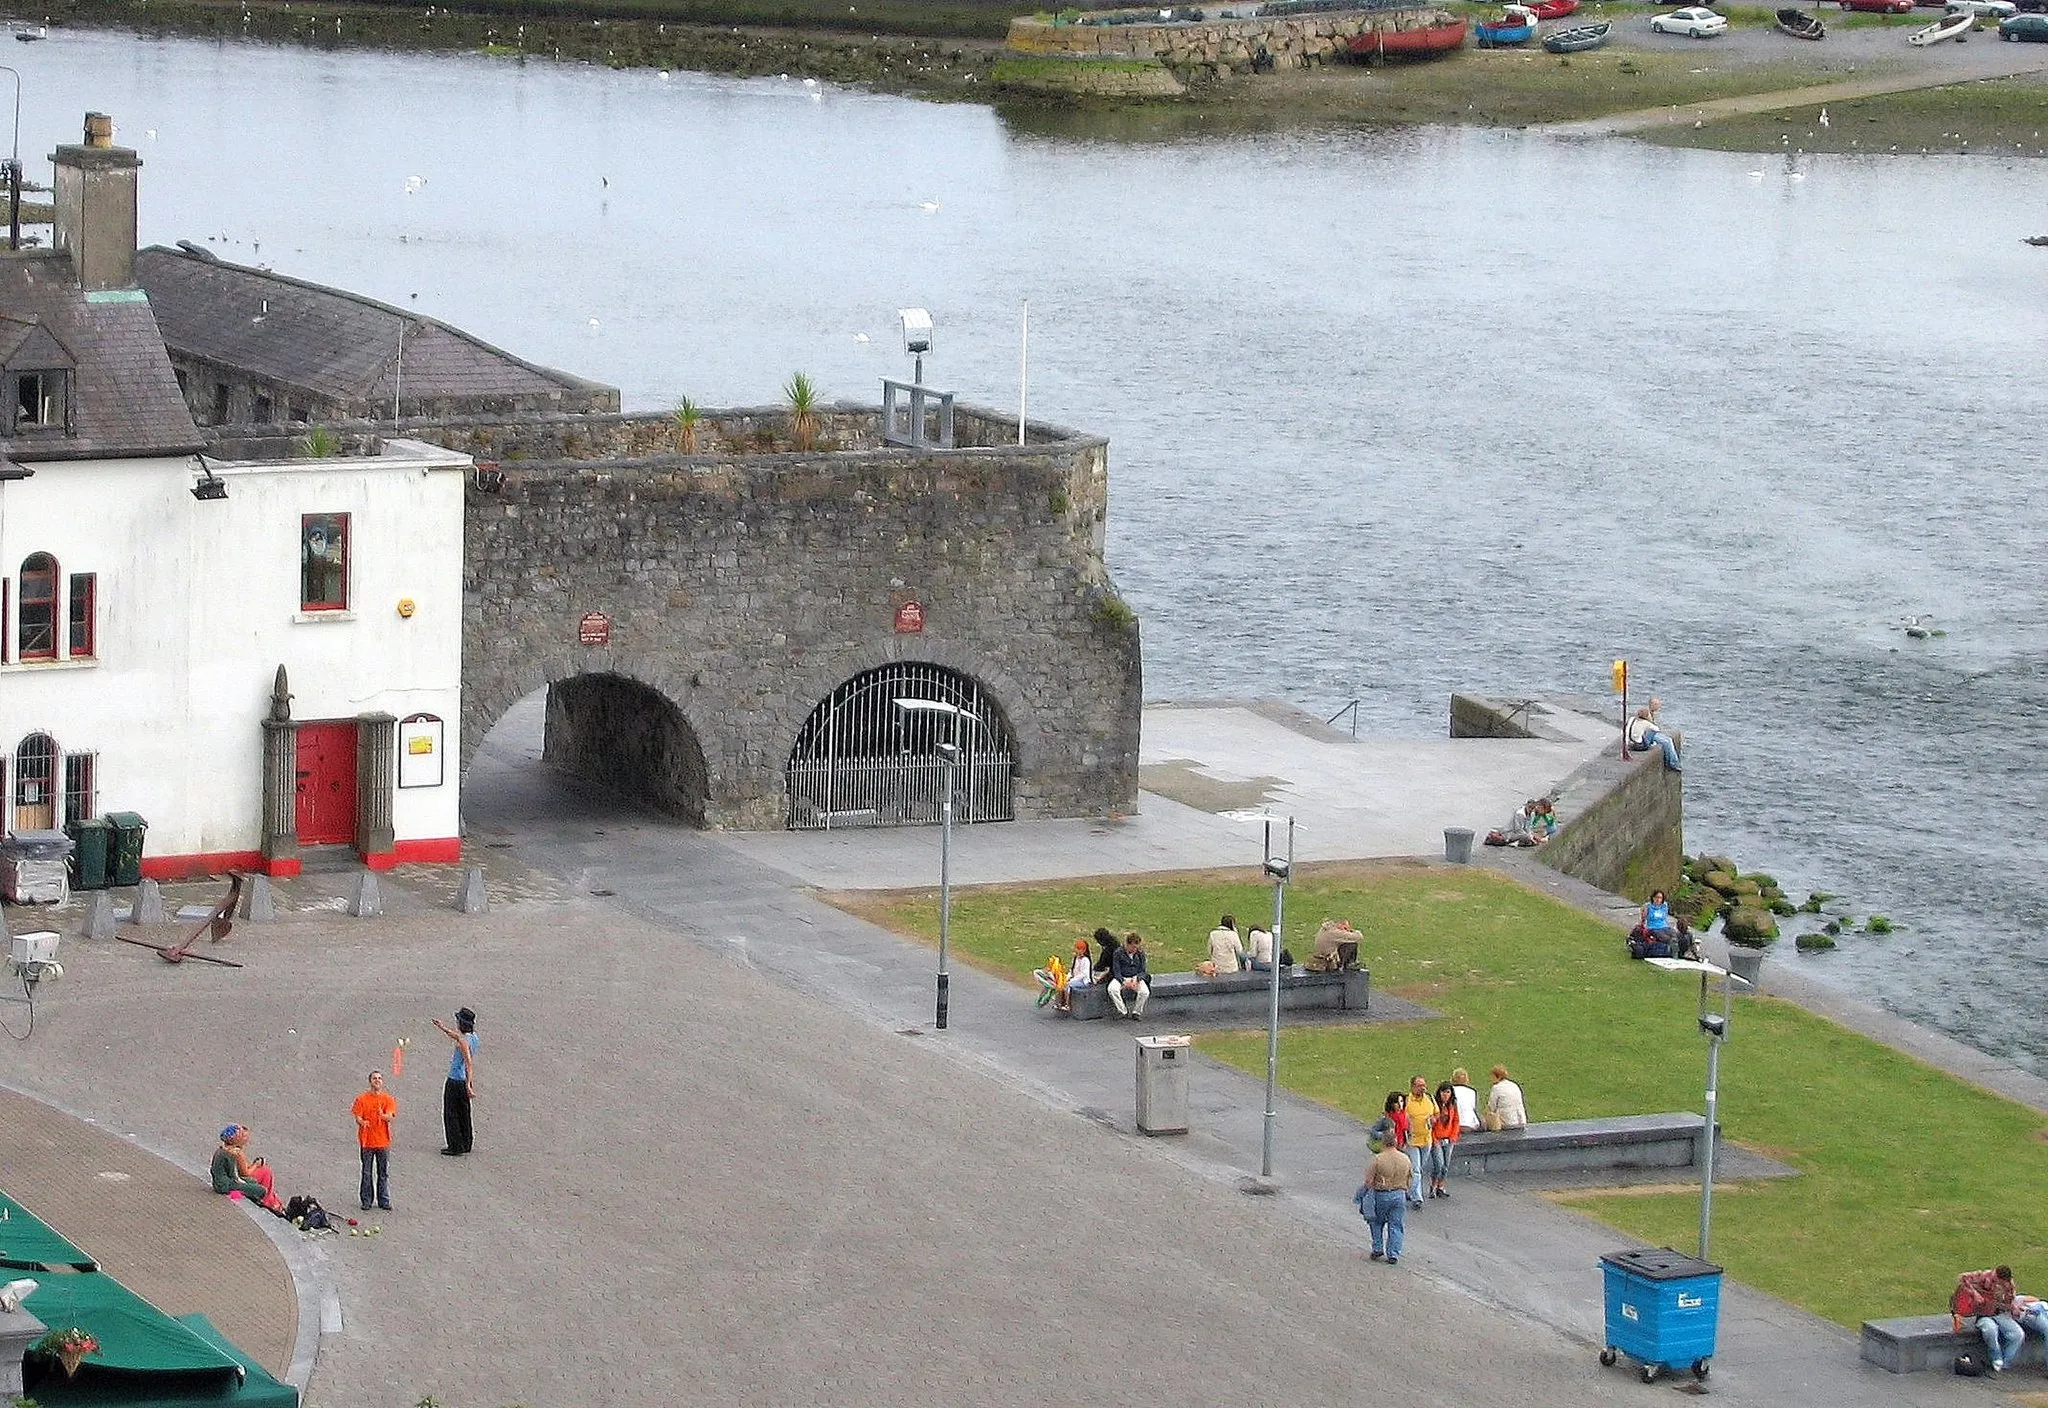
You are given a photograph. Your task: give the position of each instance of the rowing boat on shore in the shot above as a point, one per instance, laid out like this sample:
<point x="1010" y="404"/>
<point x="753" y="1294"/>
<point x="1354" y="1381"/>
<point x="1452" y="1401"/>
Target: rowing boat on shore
<point x="1578" y="38"/>
<point x="1434" y="39"/>
<point x="1552" y="9"/>
<point x="1516" y="26"/>
<point x="1801" y="25"/>
<point x="1953" y="25"/>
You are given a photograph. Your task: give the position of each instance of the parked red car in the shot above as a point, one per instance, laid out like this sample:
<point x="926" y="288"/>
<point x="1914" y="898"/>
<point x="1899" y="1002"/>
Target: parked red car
<point x="1882" y="7"/>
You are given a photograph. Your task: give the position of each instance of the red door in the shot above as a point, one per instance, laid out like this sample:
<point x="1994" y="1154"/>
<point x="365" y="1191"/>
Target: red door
<point x="327" y="784"/>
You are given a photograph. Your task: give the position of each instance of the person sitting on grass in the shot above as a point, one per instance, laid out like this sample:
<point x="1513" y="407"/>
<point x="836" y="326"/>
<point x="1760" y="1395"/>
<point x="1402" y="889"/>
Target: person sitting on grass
<point x="1652" y="937"/>
<point x="1986" y="1297"/>
<point x="1130" y="981"/>
<point x="233" y="1171"/>
<point x="1226" y="950"/>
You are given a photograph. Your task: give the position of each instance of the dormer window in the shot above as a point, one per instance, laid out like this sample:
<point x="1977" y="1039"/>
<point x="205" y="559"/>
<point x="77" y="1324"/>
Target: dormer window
<point x="37" y="402"/>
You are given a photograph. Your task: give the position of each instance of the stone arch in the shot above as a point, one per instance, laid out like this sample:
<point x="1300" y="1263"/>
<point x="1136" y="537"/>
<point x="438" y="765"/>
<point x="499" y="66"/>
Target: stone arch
<point x="614" y="732"/>
<point x="860" y="760"/>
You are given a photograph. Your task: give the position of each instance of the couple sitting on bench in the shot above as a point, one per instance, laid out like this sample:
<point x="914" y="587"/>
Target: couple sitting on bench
<point x="1660" y="934"/>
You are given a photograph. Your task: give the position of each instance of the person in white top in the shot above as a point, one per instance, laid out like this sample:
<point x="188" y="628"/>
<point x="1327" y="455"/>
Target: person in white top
<point x="1226" y="950"/>
<point x="1468" y="1100"/>
<point x="1261" y="940"/>
<point x="1504" y="1107"/>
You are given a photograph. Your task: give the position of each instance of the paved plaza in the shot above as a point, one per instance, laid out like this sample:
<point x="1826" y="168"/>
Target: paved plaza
<point x="723" y="1157"/>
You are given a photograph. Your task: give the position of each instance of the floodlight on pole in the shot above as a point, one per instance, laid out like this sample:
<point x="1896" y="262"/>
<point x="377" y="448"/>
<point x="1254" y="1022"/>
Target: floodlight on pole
<point x="951" y="752"/>
<point x="1714" y="1025"/>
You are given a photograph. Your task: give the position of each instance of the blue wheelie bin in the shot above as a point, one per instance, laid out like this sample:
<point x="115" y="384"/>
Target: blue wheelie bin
<point x="1663" y="1310"/>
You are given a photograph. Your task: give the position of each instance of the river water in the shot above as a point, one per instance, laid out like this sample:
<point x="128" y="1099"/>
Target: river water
<point x="1392" y="413"/>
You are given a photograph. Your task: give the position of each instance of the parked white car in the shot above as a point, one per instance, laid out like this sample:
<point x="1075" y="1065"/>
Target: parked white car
<point x="1985" y="9"/>
<point x="1705" y="24"/>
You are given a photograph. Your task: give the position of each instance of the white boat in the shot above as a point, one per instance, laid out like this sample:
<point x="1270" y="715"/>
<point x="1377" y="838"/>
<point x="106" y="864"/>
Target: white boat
<point x="1953" y="25"/>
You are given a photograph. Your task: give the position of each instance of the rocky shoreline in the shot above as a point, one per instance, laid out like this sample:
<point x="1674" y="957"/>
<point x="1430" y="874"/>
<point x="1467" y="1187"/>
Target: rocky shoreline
<point x="1748" y="905"/>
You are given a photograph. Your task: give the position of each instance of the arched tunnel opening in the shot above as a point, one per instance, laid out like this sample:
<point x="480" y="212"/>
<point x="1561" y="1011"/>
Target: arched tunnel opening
<point x="622" y="737"/>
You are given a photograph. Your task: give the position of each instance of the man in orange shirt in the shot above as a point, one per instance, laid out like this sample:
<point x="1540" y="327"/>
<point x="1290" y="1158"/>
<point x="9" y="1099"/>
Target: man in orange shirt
<point x="374" y="1110"/>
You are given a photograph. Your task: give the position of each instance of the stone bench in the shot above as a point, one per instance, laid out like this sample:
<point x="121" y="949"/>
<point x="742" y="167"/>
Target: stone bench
<point x="1911" y="1343"/>
<point x="1235" y="996"/>
<point x="1575" y="1146"/>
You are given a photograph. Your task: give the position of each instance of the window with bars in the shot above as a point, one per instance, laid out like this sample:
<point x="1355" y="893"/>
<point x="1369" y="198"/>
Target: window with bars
<point x="80" y="771"/>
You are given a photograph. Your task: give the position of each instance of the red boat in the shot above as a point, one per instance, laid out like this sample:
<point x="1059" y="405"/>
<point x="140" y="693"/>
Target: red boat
<point x="1553" y="9"/>
<point x="1437" y="39"/>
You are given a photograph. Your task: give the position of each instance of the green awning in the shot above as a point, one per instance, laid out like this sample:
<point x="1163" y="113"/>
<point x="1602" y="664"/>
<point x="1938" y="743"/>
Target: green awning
<point x="133" y="1334"/>
<point x="28" y="1243"/>
<point x="112" y="1388"/>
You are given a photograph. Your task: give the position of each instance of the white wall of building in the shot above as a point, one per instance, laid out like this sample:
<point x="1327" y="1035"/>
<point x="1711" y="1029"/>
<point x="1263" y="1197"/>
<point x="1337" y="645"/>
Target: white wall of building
<point x="199" y="603"/>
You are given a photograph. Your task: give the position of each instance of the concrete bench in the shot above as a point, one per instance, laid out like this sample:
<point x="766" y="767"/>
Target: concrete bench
<point x="1911" y="1343"/>
<point x="1574" y="1146"/>
<point x="1235" y="996"/>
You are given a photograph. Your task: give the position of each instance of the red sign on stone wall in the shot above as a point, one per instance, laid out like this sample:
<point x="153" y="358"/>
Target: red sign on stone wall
<point x="909" y="619"/>
<point x="594" y="629"/>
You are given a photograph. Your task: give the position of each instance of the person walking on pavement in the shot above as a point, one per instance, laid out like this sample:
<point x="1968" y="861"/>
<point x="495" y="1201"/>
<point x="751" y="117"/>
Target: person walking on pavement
<point x="374" y="1110"/>
<point x="1383" y="1201"/>
<point x="1421" y="1109"/>
<point x="461" y="1086"/>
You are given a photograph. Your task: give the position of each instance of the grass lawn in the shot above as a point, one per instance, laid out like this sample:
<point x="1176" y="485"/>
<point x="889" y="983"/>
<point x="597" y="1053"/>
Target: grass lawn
<point x="1986" y="116"/>
<point x="1908" y="1175"/>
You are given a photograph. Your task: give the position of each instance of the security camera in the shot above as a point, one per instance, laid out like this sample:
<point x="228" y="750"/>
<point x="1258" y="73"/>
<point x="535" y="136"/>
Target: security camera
<point x="1714" y="1024"/>
<point x="14" y="1293"/>
<point x="1276" y="867"/>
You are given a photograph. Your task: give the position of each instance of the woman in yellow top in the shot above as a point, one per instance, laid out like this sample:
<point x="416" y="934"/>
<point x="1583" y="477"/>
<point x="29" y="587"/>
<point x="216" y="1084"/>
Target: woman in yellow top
<point x="1421" y="1109"/>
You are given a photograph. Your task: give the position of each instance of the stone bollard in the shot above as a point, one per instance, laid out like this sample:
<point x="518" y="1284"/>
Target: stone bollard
<point x="99" y="919"/>
<point x="470" y="899"/>
<point x="1458" y="845"/>
<point x="367" y="904"/>
<point x="259" y="905"/>
<point x="149" y="904"/>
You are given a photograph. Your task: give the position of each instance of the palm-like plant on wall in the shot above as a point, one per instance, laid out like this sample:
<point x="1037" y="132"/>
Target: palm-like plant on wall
<point x="688" y="416"/>
<point x="802" y="396"/>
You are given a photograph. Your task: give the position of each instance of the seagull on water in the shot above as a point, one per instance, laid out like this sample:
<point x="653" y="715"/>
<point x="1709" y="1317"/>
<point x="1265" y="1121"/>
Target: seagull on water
<point x="929" y="207"/>
<point x="1918" y="627"/>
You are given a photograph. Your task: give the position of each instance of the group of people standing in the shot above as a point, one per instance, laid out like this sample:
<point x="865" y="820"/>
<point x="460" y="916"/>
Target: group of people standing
<point x="1413" y="1142"/>
<point x="235" y="1171"/>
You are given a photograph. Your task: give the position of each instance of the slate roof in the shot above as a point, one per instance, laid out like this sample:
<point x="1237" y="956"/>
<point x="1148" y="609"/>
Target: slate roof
<point x="124" y="399"/>
<point x="332" y="342"/>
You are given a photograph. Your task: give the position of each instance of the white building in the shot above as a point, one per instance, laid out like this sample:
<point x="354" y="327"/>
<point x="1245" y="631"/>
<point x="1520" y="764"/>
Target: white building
<point x="154" y="598"/>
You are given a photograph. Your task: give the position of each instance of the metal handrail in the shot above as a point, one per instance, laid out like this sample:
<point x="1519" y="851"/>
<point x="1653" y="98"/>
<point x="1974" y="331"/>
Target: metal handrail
<point x="1352" y="710"/>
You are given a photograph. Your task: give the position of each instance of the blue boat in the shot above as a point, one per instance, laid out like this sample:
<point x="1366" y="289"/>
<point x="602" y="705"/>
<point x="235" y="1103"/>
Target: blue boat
<point x="1516" y="26"/>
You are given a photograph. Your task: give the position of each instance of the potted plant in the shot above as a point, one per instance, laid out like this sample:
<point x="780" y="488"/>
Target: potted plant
<point x="67" y="1347"/>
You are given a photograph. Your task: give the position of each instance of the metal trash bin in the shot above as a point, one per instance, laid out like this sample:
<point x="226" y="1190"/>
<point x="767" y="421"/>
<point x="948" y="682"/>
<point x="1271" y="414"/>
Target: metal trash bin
<point x="35" y="867"/>
<point x="1458" y="845"/>
<point x="1663" y="1310"/>
<point x="89" y="837"/>
<point x="1163" y="1063"/>
<point x="124" y="849"/>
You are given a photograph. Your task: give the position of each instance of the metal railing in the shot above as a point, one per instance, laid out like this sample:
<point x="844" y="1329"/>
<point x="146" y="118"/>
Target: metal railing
<point x="1352" y="710"/>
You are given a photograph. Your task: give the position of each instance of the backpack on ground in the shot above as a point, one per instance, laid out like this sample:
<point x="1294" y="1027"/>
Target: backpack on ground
<point x="305" y="1213"/>
<point x="1970" y="1364"/>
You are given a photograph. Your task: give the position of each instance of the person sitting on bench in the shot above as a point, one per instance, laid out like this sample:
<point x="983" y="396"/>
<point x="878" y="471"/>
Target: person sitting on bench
<point x="1130" y="982"/>
<point x="233" y="1171"/>
<point x="1986" y="1297"/>
<point x="1336" y="949"/>
<point x="1259" y="939"/>
<point x="1226" y="950"/>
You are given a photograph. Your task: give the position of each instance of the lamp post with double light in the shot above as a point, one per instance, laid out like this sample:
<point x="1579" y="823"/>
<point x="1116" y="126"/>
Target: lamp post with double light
<point x="950" y="751"/>
<point x="1714" y="1026"/>
<point x="1277" y="868"/>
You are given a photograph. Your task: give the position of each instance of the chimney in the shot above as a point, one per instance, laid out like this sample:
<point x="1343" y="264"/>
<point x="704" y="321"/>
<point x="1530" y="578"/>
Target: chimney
<point x="94" y="196"/>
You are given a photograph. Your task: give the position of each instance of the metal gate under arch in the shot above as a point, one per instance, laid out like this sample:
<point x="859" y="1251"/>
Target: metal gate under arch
<point x="860" y="761"/>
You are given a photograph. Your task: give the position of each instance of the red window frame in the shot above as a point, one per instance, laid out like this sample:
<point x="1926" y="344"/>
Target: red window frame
<point x="43" y="604"/>
<point x="334" y="562"/>
<point x="82" y="612"/>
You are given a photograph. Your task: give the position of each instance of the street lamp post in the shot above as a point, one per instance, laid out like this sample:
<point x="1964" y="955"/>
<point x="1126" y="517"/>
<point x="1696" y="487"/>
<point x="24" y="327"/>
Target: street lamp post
<point x="1715" y="1026"/>
<point x="1277" y="868"/>
<point x="14" y="167"/>
<point x="950" y="751"/>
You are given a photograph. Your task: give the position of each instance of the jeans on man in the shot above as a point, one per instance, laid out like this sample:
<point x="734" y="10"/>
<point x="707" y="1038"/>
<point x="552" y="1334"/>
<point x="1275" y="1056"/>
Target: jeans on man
<point x="377" y="1178"/>
<point x="1657" y="738"/>
<point x="1418" y="1160"/>
<point x="2035" y="1322"/>
<point x="1135" y="1009"/>
<point x="2002" y="1338"/>
<point x="1388" y="1219"/>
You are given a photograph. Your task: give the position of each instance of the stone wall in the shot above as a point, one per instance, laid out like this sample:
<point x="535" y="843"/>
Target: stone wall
<point x="742" y="589"/>
<point x="1087" y="78"/>
<point x="1628" y="837"/>
<point x="1219" y="46"/>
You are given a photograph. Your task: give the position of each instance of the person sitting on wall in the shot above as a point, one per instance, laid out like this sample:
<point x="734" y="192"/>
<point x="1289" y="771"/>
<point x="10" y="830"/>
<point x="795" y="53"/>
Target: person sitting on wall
<point x="1986" y="1298"/>
<point x="1081" y="975"/>
<point x="1505" y="1108"/>
<point x="1130" y="982"/>
<point x="1259" y="939"/>
<point x="1226" y="950"/>
<point x="1106" y="948"/>
<point x="1643" y="735"/>
<point x="1052" y="980"/>
<point x="233" y="1171"/>
<point x="1543" y="825"/>
<point x="1336" y="947"/>
<point x="1653" y="937"/>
